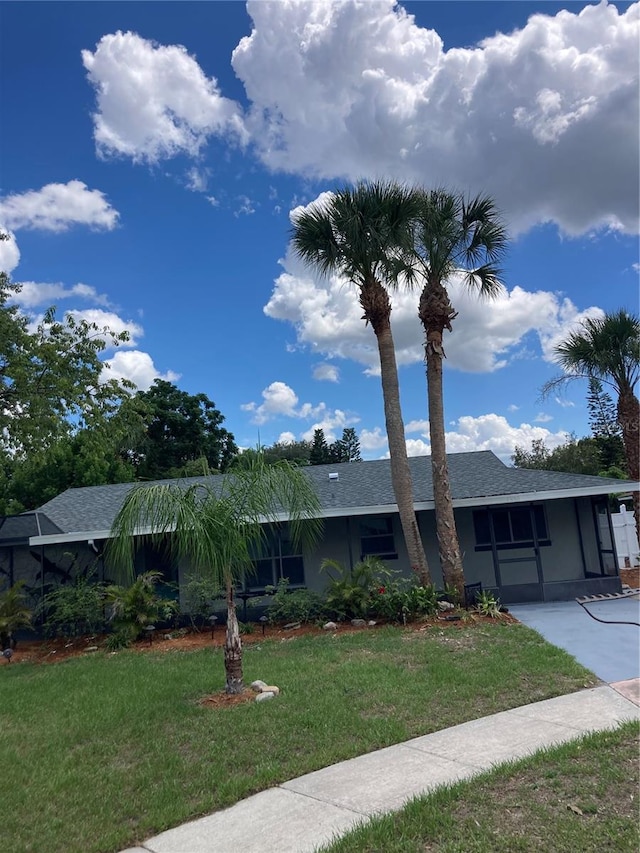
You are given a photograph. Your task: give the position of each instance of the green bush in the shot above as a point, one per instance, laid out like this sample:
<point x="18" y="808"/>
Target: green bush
<point x="75" y="608"/>
<point x="348" y="594"/>
<point x="201" y="593"/>
<point x="297" y="605"/>
<point x="14" y="614"/>
<point x="487" y="604"/>
<point x="135" y="607"/>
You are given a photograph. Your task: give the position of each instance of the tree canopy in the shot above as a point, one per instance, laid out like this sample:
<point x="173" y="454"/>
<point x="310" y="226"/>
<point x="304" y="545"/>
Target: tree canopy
<point x="184" y="434"/>
<point x="52" y="380"/>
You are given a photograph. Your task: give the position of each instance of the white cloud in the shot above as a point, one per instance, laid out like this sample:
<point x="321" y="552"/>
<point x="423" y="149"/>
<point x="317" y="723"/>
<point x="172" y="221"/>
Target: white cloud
<point x="512" y="407"/>
<point x="332" y="423"/>
<point x="278" y="399"/>
<point x="326" y="372"/>
<point x="213" y="201"/>
<point x="9" y="251"/>
<point x="34" y="293"/>
<point x="154" y="101"/>
<point x="486" y="336"/>
<point x="57" y="207"/>
<point x="198" y="179"/>
<point x="286" y="438"/>
<point x="494" y="432"/>
<point x="111" y="321"/>
<point x="373" y="440"/>
<point x="417" y="426"/>
<point x="546" y="117"/>
<point x="543" y="418"/>
<point x="136" y="366"/>
<point x="565" y="404"/>
<point x="246" y="206"/>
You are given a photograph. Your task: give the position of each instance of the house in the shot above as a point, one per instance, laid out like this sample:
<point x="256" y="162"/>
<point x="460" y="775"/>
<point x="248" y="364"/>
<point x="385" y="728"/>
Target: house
<point x="527" y="535"/>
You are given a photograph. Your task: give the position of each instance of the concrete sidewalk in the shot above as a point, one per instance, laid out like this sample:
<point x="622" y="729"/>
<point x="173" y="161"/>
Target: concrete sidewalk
<point x="305" y="813"/>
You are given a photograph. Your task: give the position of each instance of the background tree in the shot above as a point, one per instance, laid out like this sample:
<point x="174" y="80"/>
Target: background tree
<point x="319" y="454"/>
<point x="52" y="381"/>
<point x="608" y="349"/>
<point x="605" y="428"/>
<point x="218" y="526"/>
<point x="297" y="452"/>
<point x="453" y="237"/>
<point x="347" y="448"/>
<point x="182" y="430"/>
<point x="363" y="234"/>
<point x="575" y="456"/>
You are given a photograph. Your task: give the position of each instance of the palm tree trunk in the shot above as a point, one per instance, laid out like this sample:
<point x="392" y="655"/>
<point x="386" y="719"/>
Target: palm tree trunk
<point x="232" y="647"/>
<point x="433" y="302"/>
<point x="375" y="301"/>
<point x="629" y="420"/>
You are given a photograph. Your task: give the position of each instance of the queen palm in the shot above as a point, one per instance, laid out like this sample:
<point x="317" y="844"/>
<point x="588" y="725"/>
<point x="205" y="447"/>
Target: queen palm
<point x="218" y="526"/>
<point x="608" y="349"/>
<point x="362" y="233"/>
<point x="454" y="237"/>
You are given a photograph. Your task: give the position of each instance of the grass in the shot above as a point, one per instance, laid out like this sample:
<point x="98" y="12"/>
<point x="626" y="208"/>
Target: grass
<point x="99" y="752"/>
<point x="579" y="796"/>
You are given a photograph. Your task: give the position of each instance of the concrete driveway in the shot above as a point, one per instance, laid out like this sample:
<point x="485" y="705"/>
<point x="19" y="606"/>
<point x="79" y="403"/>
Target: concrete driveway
<point x="612" y="652"/>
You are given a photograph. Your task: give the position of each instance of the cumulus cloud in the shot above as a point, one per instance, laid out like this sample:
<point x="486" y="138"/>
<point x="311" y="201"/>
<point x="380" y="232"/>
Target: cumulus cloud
<point x="154" y="101"/>
<point x="57" y="207"/>
<point x="489" y="432"/>
<point x="373" y="440"/>
<point x="280" y="400"/>
<point x="34" y="293"/>
<point x="546" y="117"/>
<point x="486" y="336"/>
<point x="9" y="251"/>
<point x="326" y="372"/>
<point x="136" y="366"/>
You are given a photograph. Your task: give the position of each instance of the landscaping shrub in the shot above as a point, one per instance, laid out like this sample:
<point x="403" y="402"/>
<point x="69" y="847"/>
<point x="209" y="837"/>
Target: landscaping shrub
<point x="348" y="594"/>
<point x="297" y="605"/>
<point x="75" y="608"/>
<point x="14" y="614"/>
<point x="135" y="607"/>
<point x="200" y="598"/>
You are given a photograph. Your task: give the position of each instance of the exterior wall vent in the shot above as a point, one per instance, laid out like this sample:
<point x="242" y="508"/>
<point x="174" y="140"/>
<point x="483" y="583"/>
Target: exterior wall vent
<point x="333" y="476"/>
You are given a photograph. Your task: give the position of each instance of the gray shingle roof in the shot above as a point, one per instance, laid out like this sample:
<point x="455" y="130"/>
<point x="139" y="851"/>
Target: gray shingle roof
<point x="473" y="476"/>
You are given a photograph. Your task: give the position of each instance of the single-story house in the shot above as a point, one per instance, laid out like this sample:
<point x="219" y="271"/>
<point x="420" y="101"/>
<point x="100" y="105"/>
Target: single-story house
<point x="527" y="535"/>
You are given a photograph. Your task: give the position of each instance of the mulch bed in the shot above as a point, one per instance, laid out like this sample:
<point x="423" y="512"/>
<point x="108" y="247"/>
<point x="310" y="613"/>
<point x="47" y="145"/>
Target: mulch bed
<point x="61" y="649"/>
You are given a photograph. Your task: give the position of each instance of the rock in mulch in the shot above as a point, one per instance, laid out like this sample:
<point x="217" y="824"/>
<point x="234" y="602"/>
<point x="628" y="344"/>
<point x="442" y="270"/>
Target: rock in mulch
<point x="330" y="626"/>
<point x="358" y="623"/>
<point x="445" y="605"/>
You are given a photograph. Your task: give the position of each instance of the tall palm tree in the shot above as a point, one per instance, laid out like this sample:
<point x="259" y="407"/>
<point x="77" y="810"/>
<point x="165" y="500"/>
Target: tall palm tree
<point x="362" y="233"/>
<point x="218" y="525"/>
<point x="454" y="236"/>
<point x="608" y="349"/>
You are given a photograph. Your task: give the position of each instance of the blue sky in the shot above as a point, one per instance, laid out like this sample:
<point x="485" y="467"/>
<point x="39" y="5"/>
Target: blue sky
<point x="152" y="153"/>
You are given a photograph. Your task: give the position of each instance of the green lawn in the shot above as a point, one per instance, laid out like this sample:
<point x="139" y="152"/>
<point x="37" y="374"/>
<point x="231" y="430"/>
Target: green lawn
<point x="581" y="796"/>
<point x="99" y="752"/>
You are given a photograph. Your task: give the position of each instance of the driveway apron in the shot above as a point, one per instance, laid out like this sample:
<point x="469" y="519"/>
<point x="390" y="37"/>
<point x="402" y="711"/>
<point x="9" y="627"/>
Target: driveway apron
<point x="611" y="651"/>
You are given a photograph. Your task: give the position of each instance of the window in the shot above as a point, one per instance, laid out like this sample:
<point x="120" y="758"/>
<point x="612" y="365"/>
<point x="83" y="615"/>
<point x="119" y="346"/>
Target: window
<point x="376" y="538"/>
<point x="279" y="559"/>
<point x="512" y="528"/>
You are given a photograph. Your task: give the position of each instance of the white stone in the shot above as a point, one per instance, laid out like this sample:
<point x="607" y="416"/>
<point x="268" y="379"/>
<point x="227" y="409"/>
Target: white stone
<point x="262" y="697"/>
<point x="330" y="626"/>
<point x="258" y="685"/>
<point x="271" y="689"/>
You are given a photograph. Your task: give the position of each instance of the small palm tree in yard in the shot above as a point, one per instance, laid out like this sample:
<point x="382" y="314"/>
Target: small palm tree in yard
<point x="363" y="234"/>
<point x="454" y="237"/>
<point x="218" y="525"/>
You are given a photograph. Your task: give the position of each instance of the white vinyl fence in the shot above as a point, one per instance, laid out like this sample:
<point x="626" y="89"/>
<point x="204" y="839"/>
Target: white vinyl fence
<point x="624" y="530"/>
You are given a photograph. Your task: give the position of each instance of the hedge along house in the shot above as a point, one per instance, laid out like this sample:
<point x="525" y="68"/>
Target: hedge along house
<point x="527" y="535"/>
